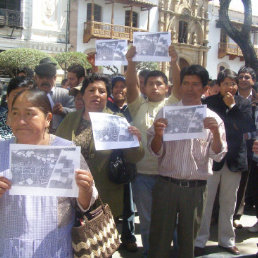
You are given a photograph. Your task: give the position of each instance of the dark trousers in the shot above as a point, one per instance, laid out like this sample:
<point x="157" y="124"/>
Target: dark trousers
<point x="253" y="185"/>
<point x="128" y="216"/>
<point x="169" y="202"/>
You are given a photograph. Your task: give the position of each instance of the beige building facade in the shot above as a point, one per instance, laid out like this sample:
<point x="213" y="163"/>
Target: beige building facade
<point x="187" y="20"/>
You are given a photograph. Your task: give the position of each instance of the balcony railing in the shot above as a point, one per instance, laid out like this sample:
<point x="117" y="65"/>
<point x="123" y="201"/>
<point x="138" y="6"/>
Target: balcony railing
<point x="10" y="18"/>
<point x="93" y="29"/>
<point x="232" y="50"/>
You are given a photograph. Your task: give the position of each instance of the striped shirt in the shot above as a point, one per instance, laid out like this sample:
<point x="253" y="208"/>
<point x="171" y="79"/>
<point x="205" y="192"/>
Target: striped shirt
<point x="189" y="159"/>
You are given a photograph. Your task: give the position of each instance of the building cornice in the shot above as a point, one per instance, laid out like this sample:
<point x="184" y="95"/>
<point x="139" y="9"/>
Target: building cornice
<point x="191" y="47"/>
<point x="6" y="44"/>
<point x="181" y="15"/>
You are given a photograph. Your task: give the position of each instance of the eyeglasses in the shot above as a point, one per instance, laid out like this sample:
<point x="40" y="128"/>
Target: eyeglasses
<point x="246" y="77"/>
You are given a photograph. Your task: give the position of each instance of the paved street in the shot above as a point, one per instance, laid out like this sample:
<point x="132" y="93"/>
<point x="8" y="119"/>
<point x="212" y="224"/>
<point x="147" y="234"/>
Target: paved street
<point x="245" y="241"/>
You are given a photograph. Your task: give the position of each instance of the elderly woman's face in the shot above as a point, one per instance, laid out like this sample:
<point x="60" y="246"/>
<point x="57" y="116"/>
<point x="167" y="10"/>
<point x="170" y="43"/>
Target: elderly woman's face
<point x="95" y="97"/>
<point x="28" y="122"/>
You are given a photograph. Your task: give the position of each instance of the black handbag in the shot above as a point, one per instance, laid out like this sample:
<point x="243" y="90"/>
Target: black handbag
<point x="120" y="171"/>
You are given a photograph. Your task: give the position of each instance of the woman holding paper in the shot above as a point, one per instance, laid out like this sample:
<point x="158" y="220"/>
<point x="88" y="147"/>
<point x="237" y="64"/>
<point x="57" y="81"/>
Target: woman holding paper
<point x="37" y="226"/>
<point x="77" y="127"/>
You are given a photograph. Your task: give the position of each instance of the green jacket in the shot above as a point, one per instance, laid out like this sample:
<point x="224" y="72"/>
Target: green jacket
<point x="98" y="161"/>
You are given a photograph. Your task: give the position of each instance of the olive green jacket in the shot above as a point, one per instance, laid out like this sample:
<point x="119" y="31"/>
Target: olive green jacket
<point x="98" y="162"/>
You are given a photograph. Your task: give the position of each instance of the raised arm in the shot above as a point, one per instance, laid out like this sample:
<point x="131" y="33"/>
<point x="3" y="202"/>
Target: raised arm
<point x="132" y="82"/>
<point x="175" y="70"/>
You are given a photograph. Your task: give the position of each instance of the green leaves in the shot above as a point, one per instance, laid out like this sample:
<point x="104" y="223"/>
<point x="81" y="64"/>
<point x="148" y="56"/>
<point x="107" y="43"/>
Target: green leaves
<point x="18" y="58"/>
<point x="68" y="58"/>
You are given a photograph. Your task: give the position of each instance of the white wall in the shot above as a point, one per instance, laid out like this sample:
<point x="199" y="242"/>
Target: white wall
<point x="119" y="18"/>
<point x="48" y="20"/>
<point x="214" y="38"/>
<point x="44" y="25"/>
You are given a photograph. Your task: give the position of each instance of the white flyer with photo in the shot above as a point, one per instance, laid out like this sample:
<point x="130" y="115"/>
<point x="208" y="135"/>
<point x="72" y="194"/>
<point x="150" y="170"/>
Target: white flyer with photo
<point x="111" y="52"/>
<point x="152" y="47"/>
<point x="111" y="132"/>
<point x="43" y="170"/>
<point x="184" y="122"/>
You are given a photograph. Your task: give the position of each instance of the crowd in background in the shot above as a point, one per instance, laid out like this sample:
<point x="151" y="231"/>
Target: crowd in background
<point x="176" y="184"/>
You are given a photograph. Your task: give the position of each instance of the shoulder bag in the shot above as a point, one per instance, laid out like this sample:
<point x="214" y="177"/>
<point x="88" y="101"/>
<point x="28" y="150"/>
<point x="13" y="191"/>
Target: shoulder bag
<point x="120" y="171"/>
<point x="97" y="235"/>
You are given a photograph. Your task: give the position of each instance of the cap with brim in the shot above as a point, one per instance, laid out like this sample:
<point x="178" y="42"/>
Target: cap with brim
<point x="48" y="70"/>
<point x="75" y="90"/>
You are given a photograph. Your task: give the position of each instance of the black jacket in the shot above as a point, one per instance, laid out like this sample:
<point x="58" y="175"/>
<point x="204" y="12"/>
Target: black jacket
<point x="125" y="110"/>
<point x="238" y="121"/>
<point x="250" y="140"/>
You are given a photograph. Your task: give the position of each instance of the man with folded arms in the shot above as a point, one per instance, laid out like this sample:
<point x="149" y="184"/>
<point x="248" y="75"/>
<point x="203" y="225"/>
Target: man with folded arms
<point x="184" y="166"/>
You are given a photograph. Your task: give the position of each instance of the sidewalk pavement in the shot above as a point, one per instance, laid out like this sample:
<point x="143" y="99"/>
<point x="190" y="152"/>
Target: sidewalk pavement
<point x="245" y="241"/>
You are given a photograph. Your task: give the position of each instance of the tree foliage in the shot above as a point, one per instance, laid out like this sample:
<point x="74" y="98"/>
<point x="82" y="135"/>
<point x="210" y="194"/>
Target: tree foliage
<point x="18" y="58"/>
<point x="113" y="69"/>
<point x="140" y="66"/>
<point x="147" y="65"/>
<point x="241" y="36"/>
<point x="66" y="59"/>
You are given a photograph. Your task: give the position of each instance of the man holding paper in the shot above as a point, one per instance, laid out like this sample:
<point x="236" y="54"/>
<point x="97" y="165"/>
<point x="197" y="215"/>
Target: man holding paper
<point x="143" y="112"/>
<point x="184" y="166"/>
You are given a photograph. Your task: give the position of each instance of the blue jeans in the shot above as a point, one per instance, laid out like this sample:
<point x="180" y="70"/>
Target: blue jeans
<point x="142" y="192"/>
<point x="128" y="216"/>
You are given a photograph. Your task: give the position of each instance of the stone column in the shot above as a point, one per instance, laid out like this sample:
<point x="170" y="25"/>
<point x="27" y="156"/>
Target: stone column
<point x="73" y="24"/>
<point x="200" y="57"/>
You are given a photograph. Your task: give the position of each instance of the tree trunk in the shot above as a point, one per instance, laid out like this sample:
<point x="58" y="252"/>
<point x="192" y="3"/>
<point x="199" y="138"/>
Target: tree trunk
<point x="241" y="37"/>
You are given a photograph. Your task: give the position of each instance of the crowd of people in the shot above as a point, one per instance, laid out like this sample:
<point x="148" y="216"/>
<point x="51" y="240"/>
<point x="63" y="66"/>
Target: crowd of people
<point x="177" y="181"/>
